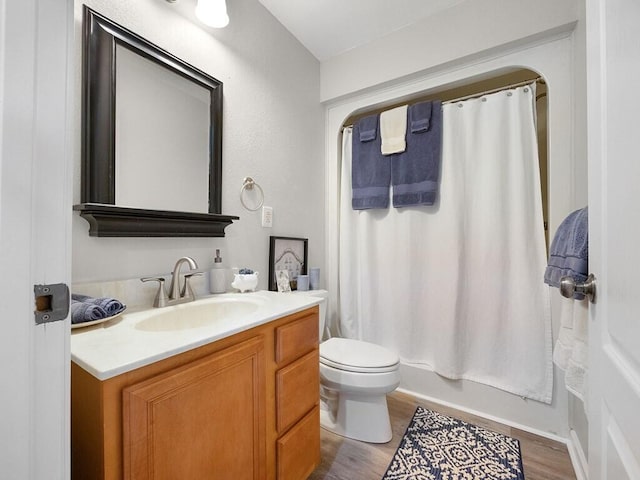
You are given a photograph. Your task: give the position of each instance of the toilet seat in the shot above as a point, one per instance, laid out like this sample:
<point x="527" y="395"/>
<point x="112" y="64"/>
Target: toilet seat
<point x="357" y="356"/>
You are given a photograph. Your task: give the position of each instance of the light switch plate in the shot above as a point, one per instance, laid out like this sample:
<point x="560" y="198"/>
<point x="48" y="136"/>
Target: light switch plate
<point x="267" y="217"/>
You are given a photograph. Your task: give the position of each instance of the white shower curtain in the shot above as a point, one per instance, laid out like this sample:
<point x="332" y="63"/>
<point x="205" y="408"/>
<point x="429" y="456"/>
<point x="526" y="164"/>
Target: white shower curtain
<point x="458" y="286"/>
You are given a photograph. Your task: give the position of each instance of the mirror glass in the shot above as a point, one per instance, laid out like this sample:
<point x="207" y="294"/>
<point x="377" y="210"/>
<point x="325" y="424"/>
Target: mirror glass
<point x="162" y="137"/>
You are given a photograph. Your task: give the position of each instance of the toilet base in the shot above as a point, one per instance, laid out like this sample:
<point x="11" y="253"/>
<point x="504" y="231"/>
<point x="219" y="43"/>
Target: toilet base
<point x="360" y="417"/>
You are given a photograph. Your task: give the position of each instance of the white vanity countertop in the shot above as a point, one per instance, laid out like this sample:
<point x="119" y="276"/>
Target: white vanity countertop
<point x="123" y="344"/>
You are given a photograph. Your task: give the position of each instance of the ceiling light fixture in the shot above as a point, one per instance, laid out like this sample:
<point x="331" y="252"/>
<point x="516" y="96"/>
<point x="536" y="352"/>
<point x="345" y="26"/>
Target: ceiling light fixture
<point x="212" y="13"/>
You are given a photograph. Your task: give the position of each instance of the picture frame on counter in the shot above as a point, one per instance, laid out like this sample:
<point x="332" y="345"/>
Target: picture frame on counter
<point x="290" y="254"/>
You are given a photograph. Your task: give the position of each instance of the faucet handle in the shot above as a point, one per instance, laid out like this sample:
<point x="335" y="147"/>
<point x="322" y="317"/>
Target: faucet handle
<point x="187" y="291"/>
<point x="161" y="295"/>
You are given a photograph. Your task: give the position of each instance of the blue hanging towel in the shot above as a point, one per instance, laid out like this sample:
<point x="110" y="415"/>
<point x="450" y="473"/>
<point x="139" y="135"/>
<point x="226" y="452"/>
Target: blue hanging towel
<point x="569" y="252"/>
<point x="415" y="173"/>
<point x="370" y="170"/>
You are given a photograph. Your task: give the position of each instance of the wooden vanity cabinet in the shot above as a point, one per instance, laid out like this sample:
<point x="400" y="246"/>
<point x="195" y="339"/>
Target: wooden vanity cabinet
<point x="244" y="407"/>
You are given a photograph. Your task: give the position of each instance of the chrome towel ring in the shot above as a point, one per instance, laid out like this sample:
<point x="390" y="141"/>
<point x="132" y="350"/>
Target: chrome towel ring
<point x="247" y="184"/>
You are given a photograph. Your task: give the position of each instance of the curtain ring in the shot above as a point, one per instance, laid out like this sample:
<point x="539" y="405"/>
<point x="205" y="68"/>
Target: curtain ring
<point x="247" y="184"/>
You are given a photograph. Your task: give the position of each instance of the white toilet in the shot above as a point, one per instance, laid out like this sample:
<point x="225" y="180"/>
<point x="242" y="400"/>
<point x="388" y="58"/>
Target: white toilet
<point x="355" y="377"/>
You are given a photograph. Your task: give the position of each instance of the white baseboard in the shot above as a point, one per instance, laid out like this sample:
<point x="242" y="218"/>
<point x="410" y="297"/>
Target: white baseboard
<point x="578" y="458"/>
<point x="504" y="421"/>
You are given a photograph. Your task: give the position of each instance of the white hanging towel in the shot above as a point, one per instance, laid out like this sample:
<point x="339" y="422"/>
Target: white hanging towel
<point x="564" y="344"/>
<point x="393" y="130"/>
<point x="571" y="349"/>
<point x="576" y="375"/>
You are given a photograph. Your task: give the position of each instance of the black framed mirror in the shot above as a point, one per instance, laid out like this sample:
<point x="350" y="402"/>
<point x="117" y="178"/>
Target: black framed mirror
<point x="151" y="139"/>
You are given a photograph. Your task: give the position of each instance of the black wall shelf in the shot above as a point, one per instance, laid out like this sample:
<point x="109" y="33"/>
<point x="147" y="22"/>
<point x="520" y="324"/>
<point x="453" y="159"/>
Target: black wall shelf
<point x="114" y="221"/>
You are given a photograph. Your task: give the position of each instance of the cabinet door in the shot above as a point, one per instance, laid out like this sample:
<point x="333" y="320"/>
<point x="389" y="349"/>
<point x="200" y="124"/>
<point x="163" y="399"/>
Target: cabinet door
<point x="203" y="420"/>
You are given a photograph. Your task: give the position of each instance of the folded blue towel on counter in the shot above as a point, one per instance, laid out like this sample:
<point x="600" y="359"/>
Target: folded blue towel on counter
<point x="88" y="309"/>
<point x="110" y="305"/>
<point x="569" y="252"/>
<point x="370" y="170"/>
<point x="415" y="173"/>
<point x="86" y="312"/>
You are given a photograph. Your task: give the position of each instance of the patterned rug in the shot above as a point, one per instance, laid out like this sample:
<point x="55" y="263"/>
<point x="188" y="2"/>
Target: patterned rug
<point x="437" y="447"/>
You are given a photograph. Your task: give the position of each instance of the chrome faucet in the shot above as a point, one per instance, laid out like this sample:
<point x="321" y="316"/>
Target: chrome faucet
<point x="176" y="294"/>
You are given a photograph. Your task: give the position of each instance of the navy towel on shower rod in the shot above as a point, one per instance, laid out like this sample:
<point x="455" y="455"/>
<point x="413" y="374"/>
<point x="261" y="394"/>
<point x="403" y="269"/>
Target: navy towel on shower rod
<point x="370" y="170"/>
<point x="415" y="173"/>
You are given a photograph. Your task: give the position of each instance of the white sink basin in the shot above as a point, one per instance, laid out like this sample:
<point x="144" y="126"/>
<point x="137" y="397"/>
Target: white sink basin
<point x="196" y="315"/>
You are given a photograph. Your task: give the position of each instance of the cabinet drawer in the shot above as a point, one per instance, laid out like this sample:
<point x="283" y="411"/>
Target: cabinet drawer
<point x="299" y="450"/>
<point x="297" y="390"/>
<point x="296" y="338"/>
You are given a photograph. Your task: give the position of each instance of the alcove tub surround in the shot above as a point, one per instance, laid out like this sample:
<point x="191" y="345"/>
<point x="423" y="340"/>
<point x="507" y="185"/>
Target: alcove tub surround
<point x="550" y="46"/>
<point x="228" y="383"/>
<point x="266" y="74"/>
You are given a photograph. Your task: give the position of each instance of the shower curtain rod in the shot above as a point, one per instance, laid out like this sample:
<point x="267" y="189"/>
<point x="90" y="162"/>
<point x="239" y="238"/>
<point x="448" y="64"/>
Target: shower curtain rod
<point x="495" y="90"/>
<point x="487" y="92"/>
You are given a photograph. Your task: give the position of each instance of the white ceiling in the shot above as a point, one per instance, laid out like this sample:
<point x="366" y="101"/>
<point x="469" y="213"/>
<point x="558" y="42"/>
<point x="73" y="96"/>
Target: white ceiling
<point x="329" y="27"/>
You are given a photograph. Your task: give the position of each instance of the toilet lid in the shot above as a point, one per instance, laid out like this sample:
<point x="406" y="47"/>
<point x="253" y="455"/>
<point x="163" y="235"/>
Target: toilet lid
<point x="357" y="356"/>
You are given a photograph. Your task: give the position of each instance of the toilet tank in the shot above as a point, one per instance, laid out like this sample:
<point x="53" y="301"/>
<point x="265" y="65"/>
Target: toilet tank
<point x="323" y="308"/>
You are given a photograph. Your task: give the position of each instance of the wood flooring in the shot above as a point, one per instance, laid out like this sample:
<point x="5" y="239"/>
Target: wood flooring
<point x="345" y="459"/>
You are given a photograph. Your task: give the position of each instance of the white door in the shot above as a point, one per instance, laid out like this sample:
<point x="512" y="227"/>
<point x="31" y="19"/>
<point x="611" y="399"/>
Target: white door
<point x="613" y="64"/>
<point x="35" y="236"/>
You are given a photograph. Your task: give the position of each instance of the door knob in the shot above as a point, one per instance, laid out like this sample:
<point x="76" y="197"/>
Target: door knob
<point x="568" y="287"/>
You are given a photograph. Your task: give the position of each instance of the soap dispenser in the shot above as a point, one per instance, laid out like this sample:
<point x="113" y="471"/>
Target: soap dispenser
<point x="218" y="275"/>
